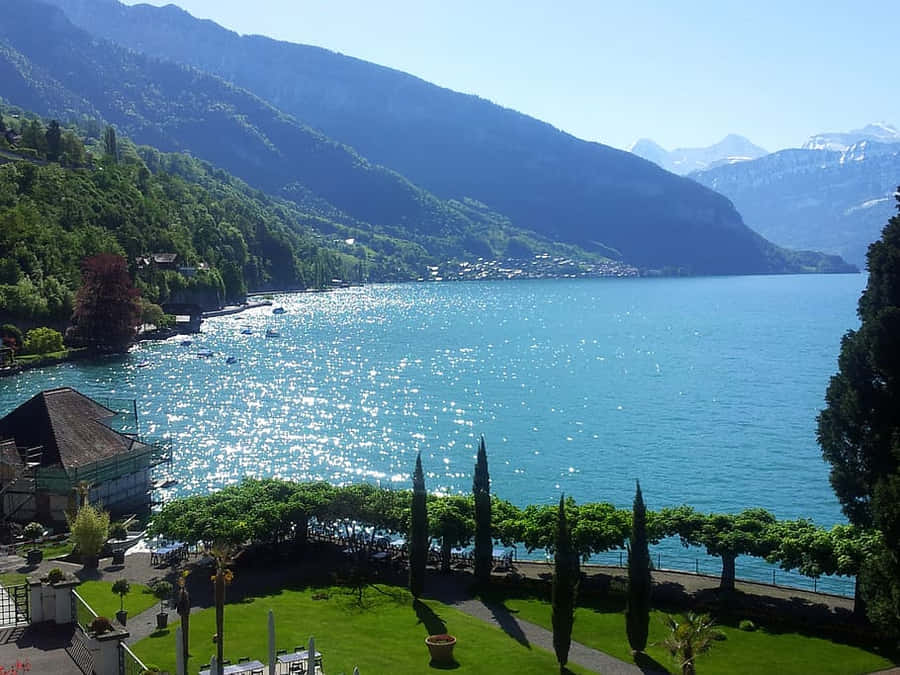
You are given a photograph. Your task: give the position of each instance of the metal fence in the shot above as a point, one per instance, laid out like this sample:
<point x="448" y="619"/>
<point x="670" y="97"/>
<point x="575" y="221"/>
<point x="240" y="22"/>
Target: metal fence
<point x="84" y="614"/>
<point x="14" y="606"/>
<point x="747" y="569"/>
<point x="129" y="663"/>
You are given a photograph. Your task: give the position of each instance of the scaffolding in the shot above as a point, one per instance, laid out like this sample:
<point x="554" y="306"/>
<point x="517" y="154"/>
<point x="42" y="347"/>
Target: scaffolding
<point x="22" y="482"/>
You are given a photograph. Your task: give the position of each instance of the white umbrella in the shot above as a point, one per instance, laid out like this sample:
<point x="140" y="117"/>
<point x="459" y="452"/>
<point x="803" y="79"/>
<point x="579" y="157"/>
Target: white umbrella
<point x="311" y="660"/>
<point x="179" y="653"/>
<point x="355" y="670"/>
<point x="271" y="643"/>
<point x="213" y="666"/>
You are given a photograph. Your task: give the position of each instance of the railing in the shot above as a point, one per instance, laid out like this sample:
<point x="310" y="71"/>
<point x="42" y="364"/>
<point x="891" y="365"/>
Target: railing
<point x="129" y="663"/>
<point x="84" y="615"/>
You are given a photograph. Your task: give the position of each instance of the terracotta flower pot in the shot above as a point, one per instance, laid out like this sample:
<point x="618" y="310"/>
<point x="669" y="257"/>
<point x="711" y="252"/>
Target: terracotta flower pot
<point x="441" y="647"/>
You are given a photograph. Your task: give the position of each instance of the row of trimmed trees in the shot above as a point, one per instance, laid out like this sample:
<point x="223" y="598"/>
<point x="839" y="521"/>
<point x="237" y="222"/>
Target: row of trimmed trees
<point x="270" y="511"/>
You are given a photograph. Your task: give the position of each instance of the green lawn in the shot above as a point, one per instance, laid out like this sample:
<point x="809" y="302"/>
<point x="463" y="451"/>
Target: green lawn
<point x="12" y="579"/>
<point x="741" y="652"/>
<point x="56" y="549"/>
<point x="99" y="595"/>
<point x="386" y="635"/>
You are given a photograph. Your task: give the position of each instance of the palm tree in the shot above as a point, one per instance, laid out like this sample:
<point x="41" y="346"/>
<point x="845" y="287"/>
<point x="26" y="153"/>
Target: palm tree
<point x="689" y="638"/>
<point x="221" y="553"/>
<point x="183" y="606"/>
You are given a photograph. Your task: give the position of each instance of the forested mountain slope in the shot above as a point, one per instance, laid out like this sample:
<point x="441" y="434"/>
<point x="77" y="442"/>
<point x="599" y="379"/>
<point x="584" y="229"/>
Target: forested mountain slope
<point x="454" y="145"/>
<point x="829" y="200"/>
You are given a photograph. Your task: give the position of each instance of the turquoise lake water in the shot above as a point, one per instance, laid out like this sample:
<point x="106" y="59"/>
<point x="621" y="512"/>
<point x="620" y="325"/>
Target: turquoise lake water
<point x="706" y="389"/>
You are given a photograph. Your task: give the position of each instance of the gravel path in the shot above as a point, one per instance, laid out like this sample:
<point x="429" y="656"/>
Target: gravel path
<point x="453" y="591"/>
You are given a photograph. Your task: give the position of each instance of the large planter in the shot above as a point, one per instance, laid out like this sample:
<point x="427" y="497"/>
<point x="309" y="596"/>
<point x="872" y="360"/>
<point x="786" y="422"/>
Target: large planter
<point x="118" y="556"/>
<point x="162" y="620"/>
<point x="122" y="616"/>
<point x="34" y="556"/>
<point x="441" y="648"/>
<point x="90" y="562"/>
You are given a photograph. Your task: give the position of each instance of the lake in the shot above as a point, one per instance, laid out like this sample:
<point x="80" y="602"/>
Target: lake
<point x="705" y="389"/>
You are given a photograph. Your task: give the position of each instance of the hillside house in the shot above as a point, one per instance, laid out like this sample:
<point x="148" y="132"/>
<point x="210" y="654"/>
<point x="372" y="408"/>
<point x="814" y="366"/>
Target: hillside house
<point x="62" y="440"/>
<point x="165" y="261"/>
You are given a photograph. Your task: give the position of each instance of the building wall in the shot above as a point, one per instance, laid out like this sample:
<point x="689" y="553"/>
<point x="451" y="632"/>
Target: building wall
<point x="56" y="493"/>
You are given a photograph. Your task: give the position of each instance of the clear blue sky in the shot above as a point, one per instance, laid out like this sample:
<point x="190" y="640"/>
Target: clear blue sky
<point x="683" y="73"/>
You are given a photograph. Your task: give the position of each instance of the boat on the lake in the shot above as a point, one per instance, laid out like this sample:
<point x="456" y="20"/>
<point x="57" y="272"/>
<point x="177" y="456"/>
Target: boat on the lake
<point x="143" y="364"/>
<point x="247" y="331"/>
<point x="186" y="343"/>
<point x="204" y="354"/>
<point x="278" y="310"/>
<point x="272" y="333"/>
<point x="230" y="360"/>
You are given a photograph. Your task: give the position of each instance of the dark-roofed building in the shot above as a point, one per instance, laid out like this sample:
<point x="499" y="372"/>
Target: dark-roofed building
<point x="67" y="439"/>
<point x="165" y="261"/>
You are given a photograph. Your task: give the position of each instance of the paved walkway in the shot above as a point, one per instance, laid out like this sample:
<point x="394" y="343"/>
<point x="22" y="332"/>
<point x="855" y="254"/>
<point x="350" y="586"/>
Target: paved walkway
<point x="452" y="591"/>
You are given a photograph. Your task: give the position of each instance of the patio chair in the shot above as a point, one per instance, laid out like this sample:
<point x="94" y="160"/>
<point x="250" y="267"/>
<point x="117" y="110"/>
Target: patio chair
<point x="206" y="666"/>
<point x="244" y="659"/>
<point x="280" y="652"/>
<point x="301" y="648"/>
<point x="256" y="672"/>
<point x="226" y="662"/>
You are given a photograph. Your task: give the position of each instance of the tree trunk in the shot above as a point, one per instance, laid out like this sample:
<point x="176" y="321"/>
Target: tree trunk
<point x="687" y="666"/>
<point x="302" y="533"/>
<point x="859" y="603"/>
<point x="727" y="583"/>
<point x="445" y="554"/>
<point x="220" y="619"/>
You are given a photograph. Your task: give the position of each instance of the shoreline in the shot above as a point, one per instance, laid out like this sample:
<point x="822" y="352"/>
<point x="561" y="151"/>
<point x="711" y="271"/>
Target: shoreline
<point x="236" y="309"/>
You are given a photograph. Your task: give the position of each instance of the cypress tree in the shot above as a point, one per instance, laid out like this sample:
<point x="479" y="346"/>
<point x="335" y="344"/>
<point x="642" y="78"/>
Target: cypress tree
<point x="481" y="488"/>
<point x="566" y="570"/>
<point x="110" y="145"/>
<point x="53" y="136"/>
<point x="418" y="532"/>
<point x="637" y="608"/>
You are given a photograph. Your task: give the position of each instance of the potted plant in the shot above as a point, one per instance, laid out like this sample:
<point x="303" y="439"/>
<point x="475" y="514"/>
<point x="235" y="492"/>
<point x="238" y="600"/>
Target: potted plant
<point x="121" y="588"/>
<point x="100" y="625"/>
<point x="32" y="533"/>
<point x="55" y="575"/>
<point x="163" y="591"/>
<point x="441" y="647"/>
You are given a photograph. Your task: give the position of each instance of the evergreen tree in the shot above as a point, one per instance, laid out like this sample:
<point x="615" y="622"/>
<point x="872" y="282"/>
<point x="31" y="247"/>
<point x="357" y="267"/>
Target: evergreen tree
<point x="481" y="488"/>
<point x="106" y="306"/>
<point x="418" y="532"/>
<point x="859" y="429"/>
<point x="566" y="570"/>
<point x="637" y="608"/>
<point x="110" y="145"/>
<point x="53" y="137"/>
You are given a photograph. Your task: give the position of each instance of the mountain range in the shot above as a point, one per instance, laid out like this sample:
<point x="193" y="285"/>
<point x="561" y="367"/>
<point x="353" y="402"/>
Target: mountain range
<point x="378" y="148"/>
<point x="836" y="201"/>
<point x="731" y="149"/>
<point x="881" y="132"/>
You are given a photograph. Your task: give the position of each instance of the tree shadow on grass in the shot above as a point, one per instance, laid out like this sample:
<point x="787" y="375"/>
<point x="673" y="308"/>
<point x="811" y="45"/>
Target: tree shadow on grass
<point x="508" y="622"/>
<point x="649" y="665"/>
<point x="433" y="623"/>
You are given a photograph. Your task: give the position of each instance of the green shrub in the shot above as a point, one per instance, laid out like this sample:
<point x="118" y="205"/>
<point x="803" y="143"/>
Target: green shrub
<point x="747" y="624"/>
<point x="90" y="530"/>
<point x="11" y="335"/>
<point x="55" y="575"/>
<point x="162" y="590"/>
<point x="118" y="531"/>
<point x="121" y="587"/>
<point x="43" y="341"/>
<point x="32" y="532"/>
<point x="100" y="625"/>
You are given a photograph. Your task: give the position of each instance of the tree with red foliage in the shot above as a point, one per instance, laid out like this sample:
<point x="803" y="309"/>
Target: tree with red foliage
<point x="107" y="311"/>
